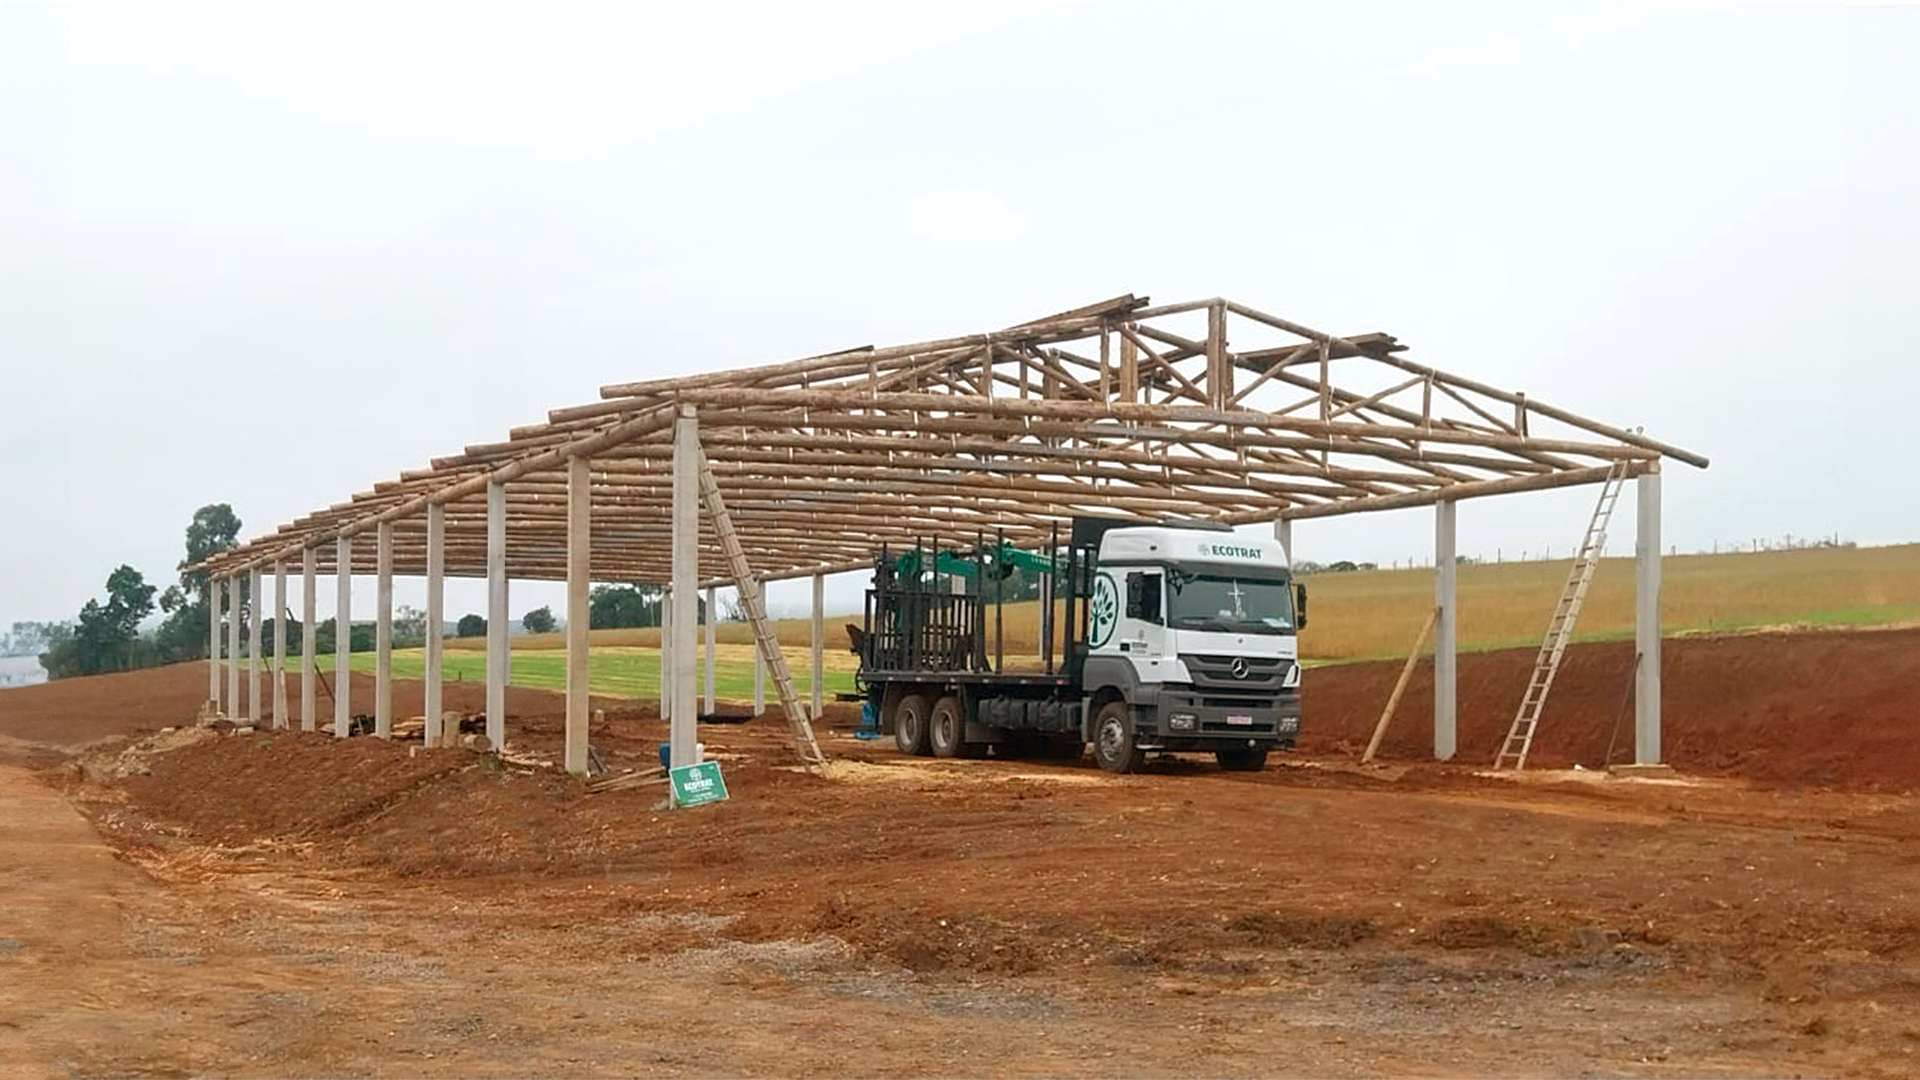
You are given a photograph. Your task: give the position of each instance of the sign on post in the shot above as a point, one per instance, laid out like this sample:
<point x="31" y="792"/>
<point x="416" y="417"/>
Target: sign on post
<point x="696" y="784"/>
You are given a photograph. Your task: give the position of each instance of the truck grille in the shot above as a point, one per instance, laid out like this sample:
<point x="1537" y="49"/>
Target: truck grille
<point x="1265" y="675"/>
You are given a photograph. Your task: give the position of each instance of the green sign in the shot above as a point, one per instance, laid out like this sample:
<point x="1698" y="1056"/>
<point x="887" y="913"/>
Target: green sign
<point x="696" y="784"/>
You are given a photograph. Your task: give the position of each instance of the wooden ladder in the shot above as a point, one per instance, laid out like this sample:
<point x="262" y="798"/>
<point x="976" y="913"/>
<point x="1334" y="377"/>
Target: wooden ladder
<point x="800" y="727"/>
<point x="1559" y="628"/>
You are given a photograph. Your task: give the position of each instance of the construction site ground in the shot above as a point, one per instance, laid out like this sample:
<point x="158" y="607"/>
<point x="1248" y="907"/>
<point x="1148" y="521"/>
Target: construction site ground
<point x="197" y="902"/>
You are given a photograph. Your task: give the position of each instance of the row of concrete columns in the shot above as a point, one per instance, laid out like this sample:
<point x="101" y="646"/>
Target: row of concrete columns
<point x="680" y="618"/>
<point x="1646" y="697"/>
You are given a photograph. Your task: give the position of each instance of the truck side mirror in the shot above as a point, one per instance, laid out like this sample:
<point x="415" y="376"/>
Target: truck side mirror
<point x="1300" y="606"/>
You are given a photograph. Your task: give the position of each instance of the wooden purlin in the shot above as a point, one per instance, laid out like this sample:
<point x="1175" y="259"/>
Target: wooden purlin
<point x="1015" y="423"/>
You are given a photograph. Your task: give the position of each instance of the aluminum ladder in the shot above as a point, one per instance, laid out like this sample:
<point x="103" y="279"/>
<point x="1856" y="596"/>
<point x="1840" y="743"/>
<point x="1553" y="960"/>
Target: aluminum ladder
<point x="1519" y="740"/>
<point x="751" y="598"/>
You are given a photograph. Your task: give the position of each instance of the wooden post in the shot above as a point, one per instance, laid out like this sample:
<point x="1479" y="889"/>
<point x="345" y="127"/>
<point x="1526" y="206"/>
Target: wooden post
<point x="666" y="653"/>
<point x="1129" y="369"/>
<point x="759" y="684"/>
<point x="383" y="633"/>
<point x="309" y="638"/>
<point x="436" y="618"/>
<point x="279" y="643"/>
<point x="1399" y="687"/>
<point x="499" y="649"/>
<point x="342" y="636"/>
<point x="579" y="571"/>
<point x="819" y="640"/>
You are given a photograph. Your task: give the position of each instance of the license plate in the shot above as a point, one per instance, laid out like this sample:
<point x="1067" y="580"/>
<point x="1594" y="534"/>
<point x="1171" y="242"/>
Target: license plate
<point x="1242" y="720"/>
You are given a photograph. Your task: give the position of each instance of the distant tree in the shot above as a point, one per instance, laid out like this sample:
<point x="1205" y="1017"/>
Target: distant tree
<point x="733" y="609"/>
<point x="611" y="607"/>
<point x="538" y="621"/>
<point x="409" y="625"/>
<point x="470" y="625"/>
<point x="326" y="637"/>
<point x="183" y="634"/>
<point x="1308" y="566"/>
<point x="106" y="637"/>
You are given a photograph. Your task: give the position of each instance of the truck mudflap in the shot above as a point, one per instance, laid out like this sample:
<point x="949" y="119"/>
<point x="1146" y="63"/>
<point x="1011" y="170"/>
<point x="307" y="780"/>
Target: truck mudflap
<point x="1183" y="719"/>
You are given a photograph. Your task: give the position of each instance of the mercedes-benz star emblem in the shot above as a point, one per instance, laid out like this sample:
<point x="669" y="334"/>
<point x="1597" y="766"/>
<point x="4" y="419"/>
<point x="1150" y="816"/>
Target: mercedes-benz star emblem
<point x="1239" y="667"/>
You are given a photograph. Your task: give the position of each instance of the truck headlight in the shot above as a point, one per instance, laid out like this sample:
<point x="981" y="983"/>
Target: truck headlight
<point x="1292" y="681"/>
<point x="1180" y="721"/>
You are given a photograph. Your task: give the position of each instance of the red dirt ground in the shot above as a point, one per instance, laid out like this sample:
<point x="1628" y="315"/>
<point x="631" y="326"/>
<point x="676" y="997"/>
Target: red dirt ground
<point x="1008" y="918"/>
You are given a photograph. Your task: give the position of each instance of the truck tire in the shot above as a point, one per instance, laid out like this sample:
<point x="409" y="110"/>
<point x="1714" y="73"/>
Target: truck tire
<point x="1113" y="746"/>
<point x="947" y="728"/>
<point x="1241" y="758"/>
<point x="910" y="724"/>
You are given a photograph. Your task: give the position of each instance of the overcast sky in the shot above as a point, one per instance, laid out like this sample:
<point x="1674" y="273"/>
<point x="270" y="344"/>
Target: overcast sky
<point x="270" y="253"/>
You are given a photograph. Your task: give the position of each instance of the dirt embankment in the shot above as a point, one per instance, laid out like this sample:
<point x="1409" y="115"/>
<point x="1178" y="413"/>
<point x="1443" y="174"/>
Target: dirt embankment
<point x="1827" y="709"/>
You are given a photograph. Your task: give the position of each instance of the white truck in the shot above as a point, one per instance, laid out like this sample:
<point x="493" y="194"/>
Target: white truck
<point x="1178" y="637"/>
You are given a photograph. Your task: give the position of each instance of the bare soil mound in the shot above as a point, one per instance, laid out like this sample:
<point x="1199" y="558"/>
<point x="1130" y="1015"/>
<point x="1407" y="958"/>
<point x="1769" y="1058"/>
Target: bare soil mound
<point x="1826" y="708"/>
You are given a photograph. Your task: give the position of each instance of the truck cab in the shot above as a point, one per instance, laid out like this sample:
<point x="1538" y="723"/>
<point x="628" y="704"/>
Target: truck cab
<point x="1191" y="646"/>
<point x="1176" y="637"/>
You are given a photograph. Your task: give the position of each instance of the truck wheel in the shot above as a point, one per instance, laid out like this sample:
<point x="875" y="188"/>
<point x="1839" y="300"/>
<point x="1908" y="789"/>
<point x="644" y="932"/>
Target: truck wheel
<point x="910" y="725"/>
<point x="947" y="728"/>
<point x="1241" y="759"/>
<point x="1113" y="744"/>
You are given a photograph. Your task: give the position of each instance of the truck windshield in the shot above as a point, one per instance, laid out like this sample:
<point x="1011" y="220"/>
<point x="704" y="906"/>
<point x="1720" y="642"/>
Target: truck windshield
<point x="1232" y="604"/>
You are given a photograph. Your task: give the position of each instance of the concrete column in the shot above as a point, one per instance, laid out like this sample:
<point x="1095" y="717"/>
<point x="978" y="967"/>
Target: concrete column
<point x="342" y="635"/>
<point x="712" y="621"/>
<point x="686" y="584"/>
<point x="819" y="640"/>
<point x="309" y="639"/>
<point x="579" y="571"/>
<point x="1646" y="621"/>
<point x="499" y="650"/>
<point x="213" y="642"/>
<point x="759" y="682"/>
<point x="255" y="596"/>
<point x="1444" y="685"/>
<point x="666" y="654"/>
<point x="436" y="619"/>
<point x="383" y="632"/>
<point x="279" y="643"/>
<point x="1283" y="532"/>
<point x="233" y="647"/>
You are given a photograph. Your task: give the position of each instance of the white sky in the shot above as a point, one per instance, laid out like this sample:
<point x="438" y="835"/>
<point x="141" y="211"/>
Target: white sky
<point x="269" y="253"/>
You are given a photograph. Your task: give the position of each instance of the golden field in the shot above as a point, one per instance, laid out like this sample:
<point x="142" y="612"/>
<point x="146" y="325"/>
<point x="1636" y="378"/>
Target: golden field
<point x="1367" y="614"/>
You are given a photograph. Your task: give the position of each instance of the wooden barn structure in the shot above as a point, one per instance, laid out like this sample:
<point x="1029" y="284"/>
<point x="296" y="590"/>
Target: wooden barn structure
<point x="1207" y="408"/>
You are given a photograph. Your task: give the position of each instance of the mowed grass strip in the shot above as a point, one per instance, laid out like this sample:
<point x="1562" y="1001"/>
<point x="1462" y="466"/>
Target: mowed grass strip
<point x="614" y="671"/>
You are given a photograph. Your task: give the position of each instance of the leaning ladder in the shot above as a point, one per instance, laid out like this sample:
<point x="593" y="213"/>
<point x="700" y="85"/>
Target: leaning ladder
<point x="1520" y="736"/>
<point x="750" y="597"/>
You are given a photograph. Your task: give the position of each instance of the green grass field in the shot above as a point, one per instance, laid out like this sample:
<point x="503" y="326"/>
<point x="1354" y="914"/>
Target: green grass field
<point x="1354" y="616"/>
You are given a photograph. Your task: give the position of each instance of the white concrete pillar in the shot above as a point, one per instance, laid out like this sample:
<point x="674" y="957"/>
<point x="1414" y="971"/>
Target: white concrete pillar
<point x="1646" y="621"/>
<point x="1283" y="532"/>
<point x="579" y="572"/>
<point x="759" y="682"/>
<point x="435" y="694"/>
<point x="819" y="640"/>
<point x="234" y="603"/>
<point x="499" y="654"/>
<point x="213" y="642"/>
<point x="683" y="727"/>
<point x="309" y="639"/>
<point x="712" y="622"/>
<point x="1445" y="695"/>
<point x="280" y="643"/>
<point x="666" y="654"/>
<point x="342" y="636"/>
<point x="255" y="596"/>
<point x="383" y="631"/>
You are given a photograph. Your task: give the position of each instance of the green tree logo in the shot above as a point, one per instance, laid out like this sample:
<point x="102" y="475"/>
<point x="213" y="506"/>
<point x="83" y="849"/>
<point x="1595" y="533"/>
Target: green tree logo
<point x="1103" y="610"/>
